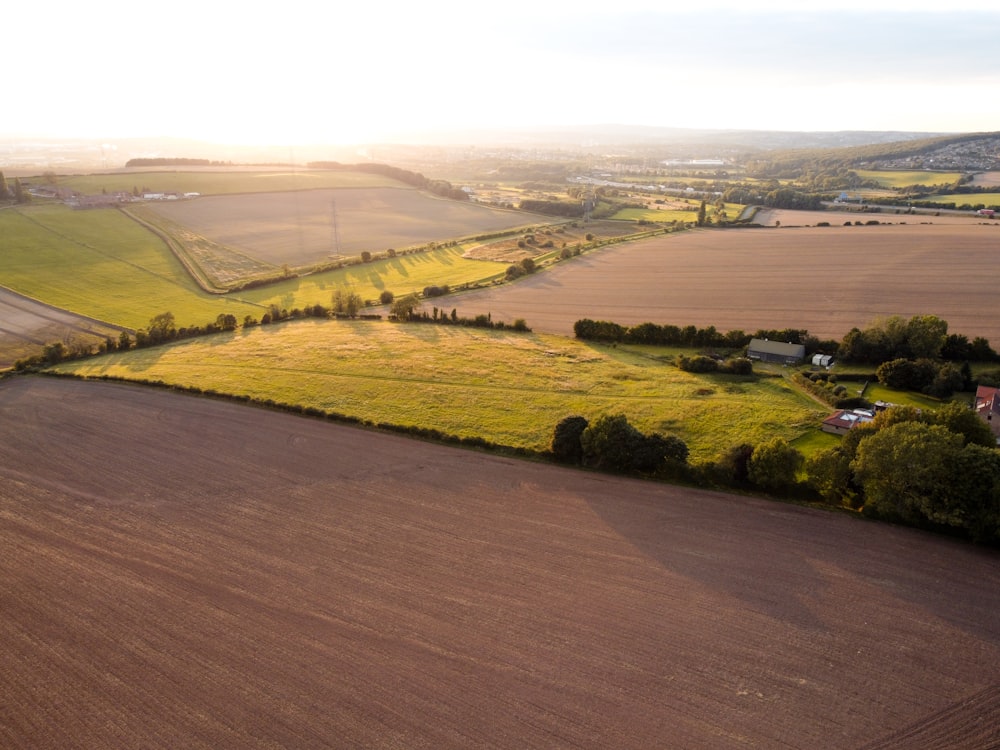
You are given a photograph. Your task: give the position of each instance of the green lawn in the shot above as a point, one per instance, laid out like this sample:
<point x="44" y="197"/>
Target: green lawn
<point x="877" y="392"/>
<point x="508" y="388"/>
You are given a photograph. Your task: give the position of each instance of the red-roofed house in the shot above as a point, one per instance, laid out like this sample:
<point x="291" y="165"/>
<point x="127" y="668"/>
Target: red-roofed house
<point x="841" y="422"/>
<point x="988" y="407"/>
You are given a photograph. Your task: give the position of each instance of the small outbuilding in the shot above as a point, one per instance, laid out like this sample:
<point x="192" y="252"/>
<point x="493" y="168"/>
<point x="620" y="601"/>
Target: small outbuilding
<point x="764" y="350"/>
<point x="843" y="421"/>
<point x="822" y="360"/>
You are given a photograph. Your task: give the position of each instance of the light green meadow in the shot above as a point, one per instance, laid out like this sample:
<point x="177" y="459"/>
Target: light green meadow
<point x="904" y="178"/>
<point x="505" y="387"/>
<point x="101" y="264"/>
<point x="400" y="275"/>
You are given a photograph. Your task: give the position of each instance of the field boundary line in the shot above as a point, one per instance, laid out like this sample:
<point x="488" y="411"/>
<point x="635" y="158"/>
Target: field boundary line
<point x="195" y="271"/>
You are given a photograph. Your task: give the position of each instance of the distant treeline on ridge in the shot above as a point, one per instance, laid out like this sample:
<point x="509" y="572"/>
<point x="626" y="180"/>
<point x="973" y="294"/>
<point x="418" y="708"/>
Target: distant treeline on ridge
<point x="175" y="162"/>
<point x="438" y="187"/>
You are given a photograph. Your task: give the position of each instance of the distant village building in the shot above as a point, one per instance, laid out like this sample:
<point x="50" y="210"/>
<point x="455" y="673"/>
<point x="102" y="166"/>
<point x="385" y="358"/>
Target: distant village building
<point x="764" y="350"/>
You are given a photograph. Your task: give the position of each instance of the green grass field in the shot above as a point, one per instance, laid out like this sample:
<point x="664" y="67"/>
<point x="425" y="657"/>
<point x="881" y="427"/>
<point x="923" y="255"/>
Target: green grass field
<point x="221" y="181"/>
<point x="505" y="387"/>
<point x="103" y="265"/>
<point x="400" y="275"/>
<point x="905" y="178"/>
<point x="971" y="199"/>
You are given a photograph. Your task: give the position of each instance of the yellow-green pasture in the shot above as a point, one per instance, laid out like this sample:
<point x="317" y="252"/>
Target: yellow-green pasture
<point x="966" y="199"/>
<point x="505" y="387"/>
<point x="897" y="179"/>
<point x="400" y="275"/>
<point x="219" y="181"/>
<point x="103" y="265"/>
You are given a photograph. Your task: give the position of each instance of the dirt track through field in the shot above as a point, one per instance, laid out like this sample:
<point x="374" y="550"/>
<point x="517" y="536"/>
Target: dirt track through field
<point x="826" y="280"/>
<point x="182" y="572"/>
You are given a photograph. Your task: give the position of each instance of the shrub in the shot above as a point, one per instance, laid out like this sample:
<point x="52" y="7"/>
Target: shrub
<point x="566" y="446"/>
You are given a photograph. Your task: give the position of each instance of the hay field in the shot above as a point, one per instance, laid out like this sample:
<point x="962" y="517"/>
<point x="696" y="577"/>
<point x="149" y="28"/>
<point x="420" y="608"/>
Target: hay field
<point x="180" y="572"/>
<point x="508" y="388"/>
<point x="297" y="228"/>
<point x="824" y="279"/>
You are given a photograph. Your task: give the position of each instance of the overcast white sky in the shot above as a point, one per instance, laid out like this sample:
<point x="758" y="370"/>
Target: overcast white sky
<point x="298" y="71"/>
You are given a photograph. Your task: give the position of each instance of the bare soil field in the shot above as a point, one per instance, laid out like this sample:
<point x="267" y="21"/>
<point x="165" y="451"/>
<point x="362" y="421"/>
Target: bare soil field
<point x="27" y="325"/>
<point x="181" y="572"/>
<point x="987" y="179"/>
<point x="298" y="227"/>
<point x="824" y="279"/>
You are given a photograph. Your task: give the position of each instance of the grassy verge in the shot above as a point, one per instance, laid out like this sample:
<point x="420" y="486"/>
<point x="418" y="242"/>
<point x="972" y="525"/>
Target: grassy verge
<point x="507" y="388"/>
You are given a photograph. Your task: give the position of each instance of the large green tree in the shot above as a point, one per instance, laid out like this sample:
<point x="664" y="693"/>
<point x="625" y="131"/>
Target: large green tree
<point x="906" y="471"/>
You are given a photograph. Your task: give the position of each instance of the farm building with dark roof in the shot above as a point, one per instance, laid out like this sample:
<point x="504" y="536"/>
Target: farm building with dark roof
<point x="764" y="350"/>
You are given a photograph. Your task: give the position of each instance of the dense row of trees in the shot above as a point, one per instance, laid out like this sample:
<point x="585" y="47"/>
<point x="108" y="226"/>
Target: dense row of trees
<point x="406" y="309"/>
<point x="938" y="470"/>
<point x="671" y="335"/>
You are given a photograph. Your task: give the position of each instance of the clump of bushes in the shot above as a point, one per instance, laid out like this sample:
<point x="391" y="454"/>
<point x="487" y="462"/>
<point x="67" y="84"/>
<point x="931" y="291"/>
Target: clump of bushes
<point x="610" y="443"/>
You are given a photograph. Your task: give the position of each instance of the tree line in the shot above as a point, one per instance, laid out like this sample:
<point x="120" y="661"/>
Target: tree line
<point x="439" y="187"/>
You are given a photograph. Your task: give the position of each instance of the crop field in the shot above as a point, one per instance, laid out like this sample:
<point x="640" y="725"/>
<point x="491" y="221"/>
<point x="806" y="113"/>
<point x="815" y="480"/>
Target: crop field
<point x="308" y="227"/>
<point x="216" y="181"/>
<point x="102" y="265"/>
<point x="971" y="199"/>
<point x="182" y="572"/>
<point x="904" y="178"/>
<point x="824" y="279"/>
<point x="509" y="388"/>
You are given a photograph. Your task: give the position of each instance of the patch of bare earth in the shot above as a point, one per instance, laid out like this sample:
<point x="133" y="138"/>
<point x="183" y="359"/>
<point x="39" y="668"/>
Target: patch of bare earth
<point x="824" y="279"/>
<point x="181" y="572"/>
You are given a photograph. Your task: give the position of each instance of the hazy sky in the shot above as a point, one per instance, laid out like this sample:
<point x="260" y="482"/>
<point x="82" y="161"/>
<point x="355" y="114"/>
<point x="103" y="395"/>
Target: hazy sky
<point x="292" y="72"/>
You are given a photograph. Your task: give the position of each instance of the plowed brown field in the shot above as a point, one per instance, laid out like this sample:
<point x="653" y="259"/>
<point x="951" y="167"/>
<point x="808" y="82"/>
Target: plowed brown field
<point x="180" y="572"/>
<point x="824" y="279"/>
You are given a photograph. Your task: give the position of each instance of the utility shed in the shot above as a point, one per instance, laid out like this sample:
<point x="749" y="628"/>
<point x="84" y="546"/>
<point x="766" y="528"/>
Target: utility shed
<point x="776" y="351"/>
